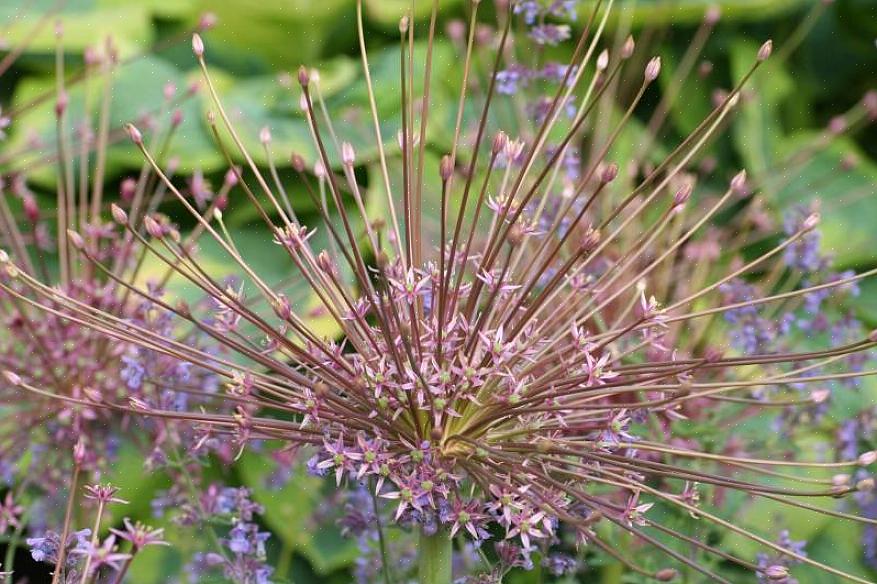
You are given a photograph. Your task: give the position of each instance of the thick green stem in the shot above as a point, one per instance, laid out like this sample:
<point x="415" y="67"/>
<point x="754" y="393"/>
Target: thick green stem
<point x="434" y="552"/>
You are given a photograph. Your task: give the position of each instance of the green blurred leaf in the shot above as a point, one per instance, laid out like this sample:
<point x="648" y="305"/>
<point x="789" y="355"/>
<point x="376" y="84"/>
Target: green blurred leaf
<point x="847" y="195"/>
<point x="758" y="131"/>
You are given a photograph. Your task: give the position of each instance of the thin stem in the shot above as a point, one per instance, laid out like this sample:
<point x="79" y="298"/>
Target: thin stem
<point x="434" y="558"/>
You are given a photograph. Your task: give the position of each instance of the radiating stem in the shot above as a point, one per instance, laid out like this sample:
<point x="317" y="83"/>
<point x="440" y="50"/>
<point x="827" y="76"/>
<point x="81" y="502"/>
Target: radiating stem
<point x="434" y="553"/>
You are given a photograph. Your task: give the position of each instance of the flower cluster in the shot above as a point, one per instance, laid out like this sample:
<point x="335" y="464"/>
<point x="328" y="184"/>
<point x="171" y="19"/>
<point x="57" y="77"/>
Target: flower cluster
<point x="530" y="372"/>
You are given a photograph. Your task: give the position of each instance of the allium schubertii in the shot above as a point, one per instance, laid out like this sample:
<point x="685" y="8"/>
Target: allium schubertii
<point x="522" y="338"/>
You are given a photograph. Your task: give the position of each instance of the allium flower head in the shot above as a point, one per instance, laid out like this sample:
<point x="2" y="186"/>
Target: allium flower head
<point x="521" y="340"/>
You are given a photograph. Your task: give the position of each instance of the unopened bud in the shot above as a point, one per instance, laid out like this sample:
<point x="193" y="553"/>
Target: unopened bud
<point x="75" y="239"/>
<point x="499" y="142"/>
<point x="868" y="458"/>
<point x="712" y="15"/>
<point x="666" y="575"/>
<point x="516" y="235"/>
<point x="319" y="169"/>
<point x="153" y="228"/>
<point x="810" y="222"/>
<point x="610" y="171"/>
<point x="403" y="24"/>
<point x="282" y="308"/>
<point x="603" y="60"/>
<point x="819" y="396"/>
<point x="298" y="163"/>
<point x="207" y="21"/>
<point x="119" y="214"/>
<point x="31" y="210"/>
<point x="265" y="135"/>
<point x="776" y="573"/>
<point x="79" y="452"/>
<point x="61" y="104"/>
<point x="177" y="118"/>
<point x="865" y="485"/>
<point x="682" y="195"/>
<point x="590" y="239"/>
<point x="304" y="78"/>
<point x="348" y="154"/>
<point x="628" y="47"/>
<point x="197" y="45"/>
<point x="12" y="378"/>
<point x="231" y="177"/>
<point x="764" y="51"/>
<point x="169" y="90"/>
<point x="872" y="336"/>
<point x="446" y="168"/>
<point x="134" y="134"/>
<point x="738" y="183"/>
<point x="840" y="480"/>
<point x="324" y="262"/>
<point x="653" y="69"/>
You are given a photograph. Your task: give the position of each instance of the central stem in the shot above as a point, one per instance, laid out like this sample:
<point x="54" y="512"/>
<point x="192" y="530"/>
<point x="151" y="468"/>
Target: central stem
<point x="434" y="552"/>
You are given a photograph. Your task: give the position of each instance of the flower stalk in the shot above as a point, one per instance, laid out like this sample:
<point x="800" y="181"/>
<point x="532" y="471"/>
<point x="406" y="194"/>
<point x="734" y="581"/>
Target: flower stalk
<point x="434" y="557"/>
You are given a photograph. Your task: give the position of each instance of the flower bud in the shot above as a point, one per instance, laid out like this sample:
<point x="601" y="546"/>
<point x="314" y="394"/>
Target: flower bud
<point x="628" y="47"/>
<point x="348" y="154"/>
<point x="499" y="142"/>
<point x="61" y="104"/>
<point x="231" y="177"/>
<point x="119" y="214"/>
<point x="282" y="308"/>
<point x="75" y="239"/>
<point x="712" y="15"/>
<point x="12" y="378"/>
<point x="868" y="458"/>
<point x="819" y="396"/>
<point x="764" y="51"/>
<point x="666" y="575"/>
<point x="134" y="134"/>
<point x="810" y="222"/>
<point x="298" y="163"/>
<point x="31" y="210"/>
<point x="153" y="228"/>
<point x="207" y="21"/>
<point x="177" y="118"/>
<point x="265" y="135"/>
<point x="324" y="262"/>
<point x="609" y="172"/>
<point x="603" y="60"/>
<point x="197" y="45"/>
<point x="682" y="195"/>
<point x="446" y="168"/>
<point x="319" y="169"/>
<point x="79" y="452"/>
<point x="653" y="69"/>
<point x="738" y="183"/>
<point x="872" y="336"/>
<point x="865" y="485"/>
<point x="515" y="235"/>
<point x="304" y="78"/>
<point x="776" y="573"/>
<point x="403" y="24"/>
<point x="169" y="90"/>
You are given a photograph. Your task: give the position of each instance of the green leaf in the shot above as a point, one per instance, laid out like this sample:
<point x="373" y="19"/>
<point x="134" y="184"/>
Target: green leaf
<point x="85" y="23"/>
<point x="288" y="512"/>
<point x="847" y="196"/>
<point x="137" y="91"/>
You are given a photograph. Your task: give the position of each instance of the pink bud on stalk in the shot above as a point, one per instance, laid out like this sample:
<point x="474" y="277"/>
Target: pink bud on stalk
<point x="75" y="239"/>
<point x="134" y="134"/>
<point x="348" y="154"/>
<point x="12" y="378"/>
<point x="197" y="45"/>
<point x="764" y="51"/>
<point x="446" y="168"/>
<point x="653" y="69"/>
<point x="119" y="214"/>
